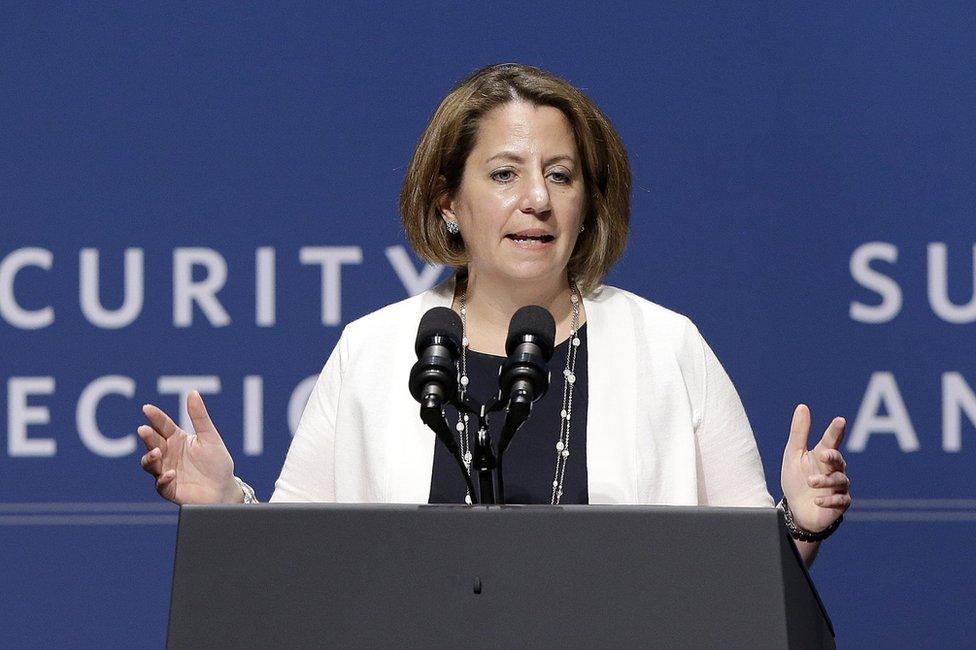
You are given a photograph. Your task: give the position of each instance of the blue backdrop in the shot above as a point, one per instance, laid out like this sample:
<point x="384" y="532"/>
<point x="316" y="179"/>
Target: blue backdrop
<point x="803" y="191"/>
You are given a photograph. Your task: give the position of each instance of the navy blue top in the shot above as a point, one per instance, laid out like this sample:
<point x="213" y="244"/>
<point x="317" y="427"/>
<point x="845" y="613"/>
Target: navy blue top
<point x="530" y="461"/>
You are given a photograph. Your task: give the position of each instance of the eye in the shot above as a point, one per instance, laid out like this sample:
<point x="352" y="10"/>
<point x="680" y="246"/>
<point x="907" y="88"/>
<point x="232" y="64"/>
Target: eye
<point x="503" y="175"/>
<point x="560" y="177"/>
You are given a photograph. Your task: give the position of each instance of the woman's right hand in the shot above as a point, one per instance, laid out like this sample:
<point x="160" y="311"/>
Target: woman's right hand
<point x="188" y="467"/>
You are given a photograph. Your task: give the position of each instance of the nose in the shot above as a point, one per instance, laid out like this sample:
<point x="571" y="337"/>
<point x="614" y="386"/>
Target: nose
<point x="535" y="198"/>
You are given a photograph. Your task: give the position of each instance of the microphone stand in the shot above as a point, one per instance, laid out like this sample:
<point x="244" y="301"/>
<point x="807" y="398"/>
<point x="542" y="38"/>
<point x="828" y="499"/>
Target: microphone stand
<point x="432" y="414"/>
<point x="488" y="464"/>
<point x="519" y="409"/>
<point x="485" y="463"/>
<point x="484" y="460"/>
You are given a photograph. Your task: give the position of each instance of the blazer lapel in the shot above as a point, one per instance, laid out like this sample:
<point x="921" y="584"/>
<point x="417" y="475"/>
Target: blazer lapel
<point x="611" y="436"/>
<point x="411" y="466"/>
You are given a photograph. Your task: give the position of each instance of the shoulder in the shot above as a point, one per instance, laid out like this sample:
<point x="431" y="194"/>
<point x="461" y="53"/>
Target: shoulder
<point x="662" y="338"/>
<point x="397" y="313"/>
<point x="652" y="321"/>
<point x="396" y="323"/>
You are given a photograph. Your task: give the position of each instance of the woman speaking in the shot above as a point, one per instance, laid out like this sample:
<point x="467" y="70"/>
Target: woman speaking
<point x="522" y="184"/>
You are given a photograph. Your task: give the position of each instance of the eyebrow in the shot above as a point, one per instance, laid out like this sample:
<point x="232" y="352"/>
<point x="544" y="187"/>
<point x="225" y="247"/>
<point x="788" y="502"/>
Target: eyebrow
<point x="514" y="157"/>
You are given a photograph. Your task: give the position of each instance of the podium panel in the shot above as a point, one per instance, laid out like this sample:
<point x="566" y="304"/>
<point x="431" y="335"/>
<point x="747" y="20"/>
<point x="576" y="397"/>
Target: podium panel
<point x="290" y="575"/>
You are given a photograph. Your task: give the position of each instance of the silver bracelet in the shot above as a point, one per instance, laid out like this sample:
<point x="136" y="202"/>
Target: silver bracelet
<point x="247" y="490"/>
<point x="798" y="533"/>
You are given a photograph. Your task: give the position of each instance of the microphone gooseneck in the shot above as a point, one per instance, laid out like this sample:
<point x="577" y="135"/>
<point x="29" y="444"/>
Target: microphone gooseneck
<point x="524" y="377"/>
<point x="433" y="378"/>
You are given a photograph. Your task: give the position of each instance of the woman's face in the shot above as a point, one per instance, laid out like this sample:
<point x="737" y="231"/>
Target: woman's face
<point x="520" y="203"/>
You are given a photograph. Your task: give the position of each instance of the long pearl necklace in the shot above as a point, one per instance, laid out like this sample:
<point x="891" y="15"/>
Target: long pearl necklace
<point x="565" y="414"/>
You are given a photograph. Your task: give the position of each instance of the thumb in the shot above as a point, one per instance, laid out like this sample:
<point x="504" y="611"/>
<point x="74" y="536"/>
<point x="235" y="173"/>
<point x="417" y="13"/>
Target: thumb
<point x="202" y="424"/>
<point x="799" y="429"/>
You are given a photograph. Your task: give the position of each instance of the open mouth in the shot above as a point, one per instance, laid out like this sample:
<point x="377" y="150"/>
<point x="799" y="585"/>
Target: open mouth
<point x="520" y="237"/>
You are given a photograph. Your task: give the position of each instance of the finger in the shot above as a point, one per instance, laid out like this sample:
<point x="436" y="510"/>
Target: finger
<point x="152" y="440"/>
<point x="834" y="434"/>
<point x="152" y="462"/>
<point x="162" y="423"/>
<point x="799" y="429"/>
<point x="166" y="484"/>
<point x="149" y="437"/>
<point x="834" y="501"/>
<point x="835" y="480"/>
<point x="202" y="424"/>
<point x="833" y="459"/>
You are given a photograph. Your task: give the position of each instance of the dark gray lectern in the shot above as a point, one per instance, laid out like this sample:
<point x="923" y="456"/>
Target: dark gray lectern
<point x="272" y="576"/>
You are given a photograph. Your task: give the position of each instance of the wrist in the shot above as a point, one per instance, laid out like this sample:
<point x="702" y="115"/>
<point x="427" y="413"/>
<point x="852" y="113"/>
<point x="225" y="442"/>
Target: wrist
<point x="244" y="492"/>
<point x="801" y="534"/>
<point x="232" y="492"/>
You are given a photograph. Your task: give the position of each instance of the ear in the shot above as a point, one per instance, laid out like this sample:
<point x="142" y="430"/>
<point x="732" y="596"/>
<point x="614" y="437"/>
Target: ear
<point x="445" y="202"/>
<point x="445" y="205"/>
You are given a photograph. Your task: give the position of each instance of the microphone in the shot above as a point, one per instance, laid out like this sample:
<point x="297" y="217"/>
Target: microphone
<point x="433" y="379"/>
<point x="524" y="377"/>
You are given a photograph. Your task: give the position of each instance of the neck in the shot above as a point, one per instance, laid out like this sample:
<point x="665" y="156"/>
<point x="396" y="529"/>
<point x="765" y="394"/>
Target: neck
<point x="491" y="304"/>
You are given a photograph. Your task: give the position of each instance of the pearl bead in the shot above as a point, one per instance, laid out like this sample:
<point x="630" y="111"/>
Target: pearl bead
<point x="562" y="447"/>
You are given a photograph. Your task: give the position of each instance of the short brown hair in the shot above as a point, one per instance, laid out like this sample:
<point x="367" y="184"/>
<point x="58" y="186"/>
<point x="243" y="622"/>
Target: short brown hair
<point x="438" y="165"/>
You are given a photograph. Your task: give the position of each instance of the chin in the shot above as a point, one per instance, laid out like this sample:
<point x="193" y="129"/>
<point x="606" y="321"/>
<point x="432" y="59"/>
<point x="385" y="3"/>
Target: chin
<point x="527" y="273"/>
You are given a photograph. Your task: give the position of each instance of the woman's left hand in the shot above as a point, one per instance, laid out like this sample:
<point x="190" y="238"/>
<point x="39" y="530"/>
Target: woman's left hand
<point x="815" y="481"/>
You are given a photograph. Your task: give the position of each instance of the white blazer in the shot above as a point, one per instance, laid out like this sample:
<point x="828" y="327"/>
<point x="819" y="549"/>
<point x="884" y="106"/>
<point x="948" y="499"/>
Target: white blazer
<point x="664" y="423"/>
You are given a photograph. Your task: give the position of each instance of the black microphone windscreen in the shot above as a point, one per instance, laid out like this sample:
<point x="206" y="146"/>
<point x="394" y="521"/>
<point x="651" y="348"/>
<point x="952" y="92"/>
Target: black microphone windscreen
<point x="534" y="320"/>
<point x="439" y="320"/>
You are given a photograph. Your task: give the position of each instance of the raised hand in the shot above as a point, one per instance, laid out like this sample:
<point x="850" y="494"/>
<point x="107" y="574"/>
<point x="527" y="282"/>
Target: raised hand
<point x="815" y="481"/>
<point x="188" y="467"/>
